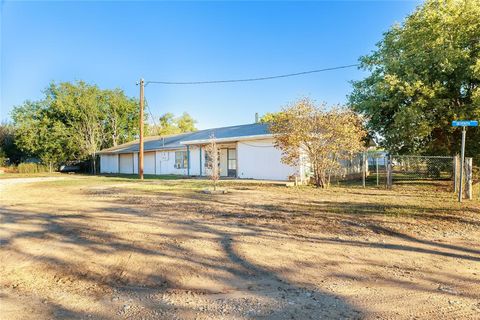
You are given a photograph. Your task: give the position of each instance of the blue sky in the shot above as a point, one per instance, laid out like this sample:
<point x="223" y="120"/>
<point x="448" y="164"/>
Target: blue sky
<point x="113" y="44"/>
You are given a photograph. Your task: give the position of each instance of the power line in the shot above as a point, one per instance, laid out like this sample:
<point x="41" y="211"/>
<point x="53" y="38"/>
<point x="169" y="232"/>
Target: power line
<point x="150" y="111"/>
<point x="252" y="79"/>
<point x="266" y="77"/>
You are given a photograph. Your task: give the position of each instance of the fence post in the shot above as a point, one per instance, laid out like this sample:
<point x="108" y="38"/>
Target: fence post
<point x="455" y="173"/>
<point x="364" y="172"/>
<point x="367" y="168"/>
<point x="376" y="165"/>
<point x="389" y="172"/>
<point x="385" y="160"/>
<point x="468" y="178"/>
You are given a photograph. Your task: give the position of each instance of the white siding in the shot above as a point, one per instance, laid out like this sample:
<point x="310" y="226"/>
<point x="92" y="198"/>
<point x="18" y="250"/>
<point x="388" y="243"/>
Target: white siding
<point x="259" y="159"/>
<point x="126" y="163"/>
<point x="256" y="159"/>
<point x="195" y="160"/>
<point x="203" y="169"/>
<point x="109" y="163"/>
<point x="135" y="163"/>
<point x="149" y="163"/>
<point x="159" y="161"/>
<point x="166" y="163"/>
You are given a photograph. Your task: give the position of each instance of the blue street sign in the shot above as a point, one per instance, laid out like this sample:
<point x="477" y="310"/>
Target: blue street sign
<point x="465" y="123"/>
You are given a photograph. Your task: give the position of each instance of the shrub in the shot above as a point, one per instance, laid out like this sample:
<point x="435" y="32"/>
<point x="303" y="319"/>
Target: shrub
<point x="31" y="168"/>
<point x="10" y="169"/>
<point x="476" y="174"/>
<point x="3" y="157"/>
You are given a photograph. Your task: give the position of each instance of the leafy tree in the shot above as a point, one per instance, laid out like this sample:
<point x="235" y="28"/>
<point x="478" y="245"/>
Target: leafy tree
<point x="8" y="148"/>
<point x="424" y="73"/>
<point x="78" y="118"/>
<point x="121" y="117"/>
<point x="39" y="135"/>
<point x="166" y="125"/>
<point x="82" y="107"/>
<point x="169" y="124"/>
<point x="3" y="157"/>
<point x="186" y="123"/>
<point x="323" y="138"/>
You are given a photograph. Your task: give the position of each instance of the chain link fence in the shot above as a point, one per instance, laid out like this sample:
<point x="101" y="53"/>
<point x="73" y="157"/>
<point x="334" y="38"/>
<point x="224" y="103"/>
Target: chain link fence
<point x="377" y="168"/>
<point x="368" y="168"/>
<point x="405" y="168"/>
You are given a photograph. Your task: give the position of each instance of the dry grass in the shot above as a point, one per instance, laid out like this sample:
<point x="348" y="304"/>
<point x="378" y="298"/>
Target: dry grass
<point x="109" y="248"/>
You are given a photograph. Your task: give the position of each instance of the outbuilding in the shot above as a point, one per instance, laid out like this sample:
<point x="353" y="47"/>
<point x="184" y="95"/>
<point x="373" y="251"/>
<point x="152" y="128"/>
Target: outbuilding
<point x="245" y="151"/>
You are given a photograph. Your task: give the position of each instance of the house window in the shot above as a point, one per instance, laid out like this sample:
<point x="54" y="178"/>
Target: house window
<point x="181" y="159"/>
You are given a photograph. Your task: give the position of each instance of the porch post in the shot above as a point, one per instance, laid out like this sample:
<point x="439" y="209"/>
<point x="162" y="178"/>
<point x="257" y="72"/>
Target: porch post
<point x="200" y="160"/>
<point x="188" y="160"/>
<point x="236" y="160"/>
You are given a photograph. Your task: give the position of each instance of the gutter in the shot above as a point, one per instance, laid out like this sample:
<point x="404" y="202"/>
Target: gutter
<point x="145" y="150"/>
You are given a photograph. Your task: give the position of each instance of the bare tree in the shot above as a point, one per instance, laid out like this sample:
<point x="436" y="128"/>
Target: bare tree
<point x="211" y="151"/>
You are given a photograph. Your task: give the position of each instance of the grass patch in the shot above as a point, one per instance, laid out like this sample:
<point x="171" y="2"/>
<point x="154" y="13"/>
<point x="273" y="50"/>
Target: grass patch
<point x="146" y="176"/>
<point x="28" y="175"/>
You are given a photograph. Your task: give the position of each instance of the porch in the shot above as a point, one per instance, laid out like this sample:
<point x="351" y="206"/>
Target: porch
<point x="198" y="160"/>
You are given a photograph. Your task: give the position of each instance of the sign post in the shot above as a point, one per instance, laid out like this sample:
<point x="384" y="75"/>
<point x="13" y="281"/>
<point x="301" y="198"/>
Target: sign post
<point x="464" y="124"/>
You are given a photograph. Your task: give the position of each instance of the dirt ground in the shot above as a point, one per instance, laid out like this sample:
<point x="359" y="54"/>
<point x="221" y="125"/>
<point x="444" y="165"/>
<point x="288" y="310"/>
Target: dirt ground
<point x="110" y="248"/>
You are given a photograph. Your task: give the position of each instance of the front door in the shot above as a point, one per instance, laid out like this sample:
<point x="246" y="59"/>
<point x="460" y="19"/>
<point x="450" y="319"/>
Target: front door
<point x="223" y="162"/>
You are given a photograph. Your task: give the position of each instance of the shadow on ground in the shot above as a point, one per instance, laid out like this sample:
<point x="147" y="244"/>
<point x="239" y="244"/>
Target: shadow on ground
<point x="161" y="250"/>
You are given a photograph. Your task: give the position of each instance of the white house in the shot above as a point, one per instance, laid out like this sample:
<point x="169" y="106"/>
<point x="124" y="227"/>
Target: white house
<point x="245" y="151"/>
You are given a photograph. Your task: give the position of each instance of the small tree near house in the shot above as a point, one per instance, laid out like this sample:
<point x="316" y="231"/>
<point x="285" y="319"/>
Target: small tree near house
<point x="324" y="137"/>
<point x="211" y="151"/>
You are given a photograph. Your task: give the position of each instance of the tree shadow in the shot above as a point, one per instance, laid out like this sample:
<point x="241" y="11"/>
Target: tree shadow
<point x="165" y="255"/>
<point x="84" y="237"/>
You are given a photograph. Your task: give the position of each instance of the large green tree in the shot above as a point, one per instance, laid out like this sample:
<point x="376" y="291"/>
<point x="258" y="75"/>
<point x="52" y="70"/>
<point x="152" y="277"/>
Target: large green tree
<point x="40" y="135"/>
<point x="8" y="148"/>
<point x="74" y="121"/>
<point x="121" y="120"/>
<point x="424" y="73"/>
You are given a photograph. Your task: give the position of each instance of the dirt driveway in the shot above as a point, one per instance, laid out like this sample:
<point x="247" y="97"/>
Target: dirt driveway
<point x="102" y="248"/>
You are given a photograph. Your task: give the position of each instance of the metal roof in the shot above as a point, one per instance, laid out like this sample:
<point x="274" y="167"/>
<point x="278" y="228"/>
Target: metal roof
<point x="179" y="141"/>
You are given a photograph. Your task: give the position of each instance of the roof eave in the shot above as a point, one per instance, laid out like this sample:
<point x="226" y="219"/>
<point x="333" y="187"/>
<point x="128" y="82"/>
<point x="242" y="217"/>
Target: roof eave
<point x="229" y="139"/>
<point x="136" y="151"/>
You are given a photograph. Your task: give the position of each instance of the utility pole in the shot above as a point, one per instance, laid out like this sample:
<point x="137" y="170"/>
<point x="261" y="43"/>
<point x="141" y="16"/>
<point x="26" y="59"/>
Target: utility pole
<point x="140" y="153"/>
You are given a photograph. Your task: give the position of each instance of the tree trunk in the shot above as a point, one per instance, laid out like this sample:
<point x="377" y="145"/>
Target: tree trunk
<point x="316" y="177"/>
<point x="324" y="180"/>
<point x="94" y="164"/>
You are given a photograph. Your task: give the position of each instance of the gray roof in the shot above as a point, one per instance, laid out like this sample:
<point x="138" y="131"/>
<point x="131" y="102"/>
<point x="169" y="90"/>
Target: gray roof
<point x="176" y="141"/>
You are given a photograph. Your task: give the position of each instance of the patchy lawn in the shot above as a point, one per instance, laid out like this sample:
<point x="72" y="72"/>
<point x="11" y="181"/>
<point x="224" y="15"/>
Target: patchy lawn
<point x="9" y="175"/>
<point x="113" y="247"/>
